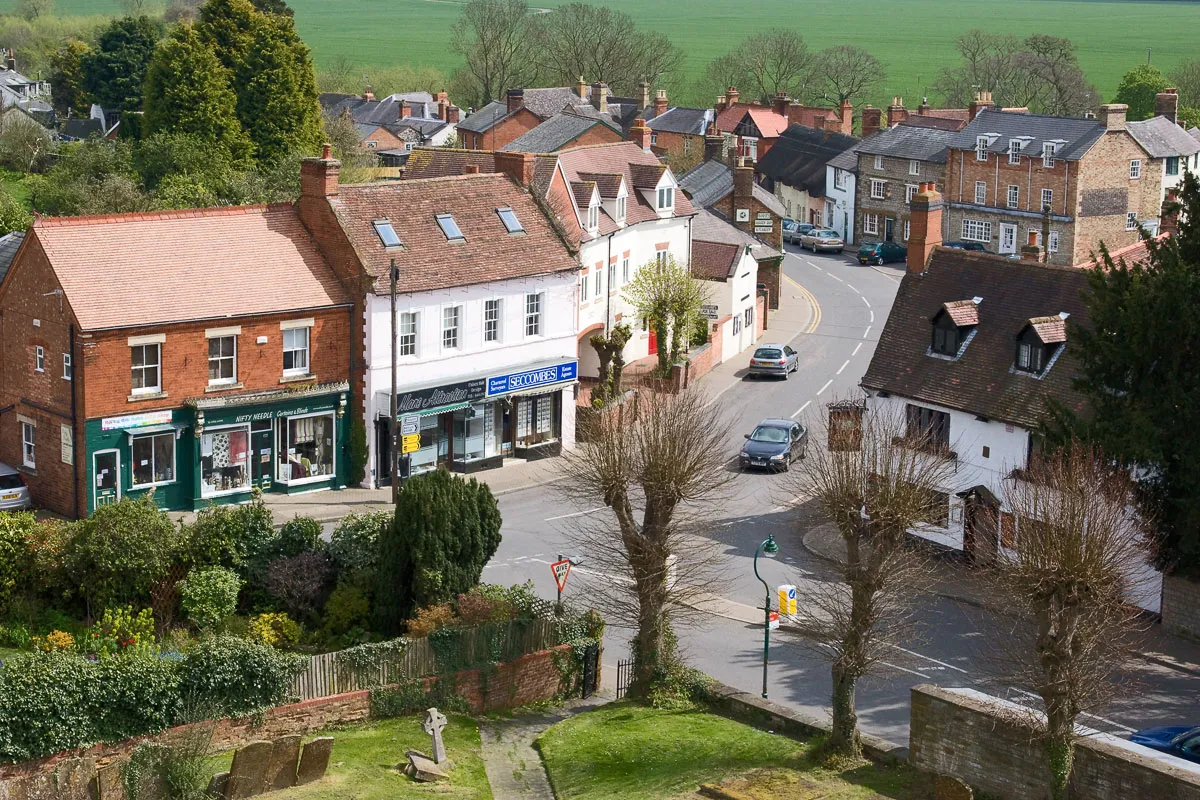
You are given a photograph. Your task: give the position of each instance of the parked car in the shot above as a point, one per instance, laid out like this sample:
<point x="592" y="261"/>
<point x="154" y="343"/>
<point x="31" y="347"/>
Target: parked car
<point x="881" y="252"/>
<point x="774" y="444"/>
<point x="822" y="239"/>
<point x="1178" y="740"/>
<point x="774" y="359"/>
<point x="14" y="494"/>
<point x="973" y="246"/>
<point x="792" y="230"/>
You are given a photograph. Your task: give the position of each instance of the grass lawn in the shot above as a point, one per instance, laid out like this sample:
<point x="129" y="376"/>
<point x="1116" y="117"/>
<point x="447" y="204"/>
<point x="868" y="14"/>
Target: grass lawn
<point x="7" y="652"/>
<point x="913" y="38"/>
<point x="625" y="751"/>
<point x="364" y="760"/>
<point x="14" y="184"/>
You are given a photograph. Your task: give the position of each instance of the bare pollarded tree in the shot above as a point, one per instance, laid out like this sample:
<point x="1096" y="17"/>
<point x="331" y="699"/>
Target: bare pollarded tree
<point x="874" y="479"/>
<point x="1080" y="546"/>
<point x="658" y="464"/>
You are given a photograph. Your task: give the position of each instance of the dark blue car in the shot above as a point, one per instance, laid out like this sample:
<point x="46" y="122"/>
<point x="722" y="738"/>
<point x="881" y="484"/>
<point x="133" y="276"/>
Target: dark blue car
<point x="1178" y="740"/>
<point x="881" y="252"/>
<point x="774" y="445"/>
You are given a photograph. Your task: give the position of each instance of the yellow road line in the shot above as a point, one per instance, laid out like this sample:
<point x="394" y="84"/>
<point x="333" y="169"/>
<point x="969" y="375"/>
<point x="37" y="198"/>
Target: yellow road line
<point x="816" y="307"/>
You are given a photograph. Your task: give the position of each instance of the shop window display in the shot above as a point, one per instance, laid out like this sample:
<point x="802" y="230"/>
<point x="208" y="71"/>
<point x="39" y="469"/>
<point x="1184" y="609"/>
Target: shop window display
<point x="225" y="461"/>
<point x="477" y="432"/>
<point x="306" y="446"/>
<point x="537" y="420"/>
<point x="153" y="459"/>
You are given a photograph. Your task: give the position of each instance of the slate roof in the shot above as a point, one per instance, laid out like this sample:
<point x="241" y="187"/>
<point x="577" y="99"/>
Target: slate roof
<point x="711" y="181"/>
<point x="983" y="379"/>
<point x="912" y="142"/>
<point x="1160" y="137"/>
<point x="715" y="261"/>
<point x="125" y="270"/>
<point x="798" y="157"/>
<point x="8" y="248"/>
<point x="427" y="261"/>
<point x="847" y="159"/>
<point x="486" y="117"/>
<point x="693" y="121"/>
<point x="548" y="101"/>
<point x="709" y="226"/>
<point x="82" y="128"/>
<point x="384" y="111"/>
<point x="1077" y="135"/>
<point x="424" y="127"/>
<point x="555" y="133"/>
<point x="934" y="121"/>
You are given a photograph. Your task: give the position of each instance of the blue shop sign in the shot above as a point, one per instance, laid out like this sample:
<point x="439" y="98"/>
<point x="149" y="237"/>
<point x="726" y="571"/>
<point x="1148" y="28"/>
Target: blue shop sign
<point x="532" y="379"/>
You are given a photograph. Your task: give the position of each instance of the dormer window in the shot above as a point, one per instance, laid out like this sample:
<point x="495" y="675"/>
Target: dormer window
<point x="1030" y="356"/>
<point x="1049" y="150"/>
<point x="666" y="198"/>
<point x="953" y="325"/>
<point x="1038" y="341"/>
<point x="1014" y="151"/>
<point x="593" y="217"/>
<point x="621" y="210"/>
<point x="386" y="233"/>
<point x="450" y="228"/>
<point x="981" y="148"/>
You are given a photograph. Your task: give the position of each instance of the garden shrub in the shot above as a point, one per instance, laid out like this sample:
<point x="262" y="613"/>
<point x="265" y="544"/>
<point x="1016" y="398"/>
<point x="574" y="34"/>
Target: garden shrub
<point x="299" y="535"/>
<point x="238" y="675"/>
<point x="120" y="551"/>
<point x="430" y="619"/>
<point x="298" y="581"/>
<point x="138" y="693"/>
<point x="242" y="537"/>
<point x="346" y="609"/>
<point x="477" y="608"/>
<point x="47" y="543"/>
<point x="209" y="595"/>
<point x="275" y="630"/>
<point x="354" y="546"/>
<point x="54" y="642"/>
<point x="15" y="558"/>
<point x="121" y="631"/>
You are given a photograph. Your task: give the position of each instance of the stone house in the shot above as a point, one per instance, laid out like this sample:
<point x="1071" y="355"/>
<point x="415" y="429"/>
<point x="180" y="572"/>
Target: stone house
<point x="677" y="133"/>
<point x="794" y="169"/>
<point x="892" y="163"/>
<point x="1165" y="140"/>
<point x="1100" y="184"/>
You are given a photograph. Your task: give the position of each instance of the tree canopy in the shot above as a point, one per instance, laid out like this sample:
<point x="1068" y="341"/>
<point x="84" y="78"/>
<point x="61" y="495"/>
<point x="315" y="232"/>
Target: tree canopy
<point x="113" y="72"/>
<point x="1138" y="89"/>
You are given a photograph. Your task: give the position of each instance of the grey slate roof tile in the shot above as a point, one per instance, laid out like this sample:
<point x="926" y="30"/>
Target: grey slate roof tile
<point x="1074" y="135"/>
<point x="1161" y="138"/>
<point x="910" y="141"/>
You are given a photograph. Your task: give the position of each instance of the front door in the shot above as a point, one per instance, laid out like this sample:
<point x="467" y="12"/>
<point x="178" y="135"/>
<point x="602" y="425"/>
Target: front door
<point x="653" y="340"/>
<point x="260" y="454"/>
<point x="1008" y="238"/>
<point x="981" y="519"/>
<point x="889" y="229"/>
<point x="106" y="470"/>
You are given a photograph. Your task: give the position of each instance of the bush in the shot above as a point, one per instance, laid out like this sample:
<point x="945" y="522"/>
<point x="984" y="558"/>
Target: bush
<point x="242" y="538"/>
<point x="16" y="561"/>
<point x="430" y="619"/>
<point x="48" y="542"/>
<point x="119" y="631"/>
<point x="118" y="553"/>
<point x="54" y="642"/>
<point x="354" y="546"/>
<point x="347" y="608"/>
<point x="274" y="630"/>
<point x="298" y="581"/>
<point x="476" y="608"/>
<point x="240" y="676"/>
<point x="209" y="595"/>
<point x="299" y="535"/>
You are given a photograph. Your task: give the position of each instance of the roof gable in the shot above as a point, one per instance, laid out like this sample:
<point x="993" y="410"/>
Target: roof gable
<point x="799" y="156"/>
<point x="715" y="261"/>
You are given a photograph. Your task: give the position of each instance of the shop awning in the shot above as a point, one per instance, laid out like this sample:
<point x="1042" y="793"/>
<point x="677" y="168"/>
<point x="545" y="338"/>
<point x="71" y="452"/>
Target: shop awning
<point x="131" y="432"/>
<point x="554" y="387"/>
<point x="431" y="412"/>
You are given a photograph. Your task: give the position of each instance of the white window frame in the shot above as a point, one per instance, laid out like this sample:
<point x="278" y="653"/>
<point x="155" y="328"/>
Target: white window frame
<point x="980" y="193"/>
<point x="1052" y="247"/>
<point x="39" y="358"/>
<point x="1135" y="169"/>
<point x="403" y="321"/>
<point x="653" y="138"/>
<point x="133" y="462"/>
<point x="1014" y="151"/>
<point x="981" y="148"/>
<point x="974" y="230"/>
<point x="878" y="162"/>
<point x="1167" y="166"/>
<point x="294" y="371"/>
<point x="1047" y="199"/>
<point x="28" y="444"/>
<point x="583" y="287"/>
<point x="533" y="318"/>
<point x="750" y="147"/>
<point x="914" y="167"/>
<point x="221" y="358"/>
<point x="452" y="335"/>
<point x="157" y="366"/>
<point x="593" y="217"/>
<point x="839" y="178"/>
<point x="1049" y="151"/>
<point x="597" y="282"/>
<point x="68" y="367"/>
<point x="878" y="189"/>
<point x="871" y="224"/>
<point x="687" y="145"/>
<point x="907" y="228"/>
<point x="666" y="198"/>
<point x="625" y="270"/>
<point x="1131" y="221"/>
<point x="910" y="191"/>
<point x="1013" y="197"/>
<point x="285" y="423"/>
<point x="621" y="207"/>
<point x="492" y="320"/>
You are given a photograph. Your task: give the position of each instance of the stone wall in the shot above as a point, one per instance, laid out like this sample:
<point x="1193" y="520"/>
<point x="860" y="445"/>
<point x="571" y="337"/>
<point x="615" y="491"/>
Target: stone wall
<point x="1181" y="606"/>
<point x="966" y="734"/>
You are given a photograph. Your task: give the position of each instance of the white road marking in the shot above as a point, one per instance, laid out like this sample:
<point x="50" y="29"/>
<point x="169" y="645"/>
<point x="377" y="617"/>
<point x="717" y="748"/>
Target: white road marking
<point x="823" y="388"/>
<point x="927" y="658"/>
<point x="814" y="266"/>
<point x="843" y="366"/>
<point x="800" y="410"/>
<point x="1105" y="720"/>
<point x="872" y="316"/>
<point x="865" y="300"/>
<point x="857" y="347"/>
<point x="909" y="671"/>
<point x="576" y="514"/>
<point x="856" y="291"/>
<point x="836" y="278"/>
<point x="867" y="332"/>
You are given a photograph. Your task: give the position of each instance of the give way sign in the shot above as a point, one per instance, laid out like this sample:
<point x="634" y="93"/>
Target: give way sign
<point x="561" y="569"/>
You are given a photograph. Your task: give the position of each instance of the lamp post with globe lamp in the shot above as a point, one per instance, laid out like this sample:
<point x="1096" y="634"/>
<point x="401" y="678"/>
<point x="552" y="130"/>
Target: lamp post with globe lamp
<point x="769" y="549"/>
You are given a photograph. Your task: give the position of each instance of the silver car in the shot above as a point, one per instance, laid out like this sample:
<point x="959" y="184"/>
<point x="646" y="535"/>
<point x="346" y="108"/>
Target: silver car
<point x="792" y="230"/>
<point x="822" y="239"/>
<point x="14" y="494"/>
<point x="774" y="359"/>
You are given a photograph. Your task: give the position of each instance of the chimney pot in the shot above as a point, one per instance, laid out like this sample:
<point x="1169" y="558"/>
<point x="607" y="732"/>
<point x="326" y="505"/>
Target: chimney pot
<point x="872" y="120"/>
<point x="319" y="176"/>
<point x="644" y="93"/>
<point x="660" y="102"/>
<point x="732" y="95"/>
<point x="1166" y="104"/>
<point x="640" y="134"/>
<point x="781" y="103"/>
<point x="982" y="100"/>
<point x="582" y="89"/>
<point x="600" y="96"/>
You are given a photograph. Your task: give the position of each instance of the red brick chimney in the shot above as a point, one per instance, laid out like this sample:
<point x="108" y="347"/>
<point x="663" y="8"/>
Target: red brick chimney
<point x="1031" y="251"/>
<point x="452" y="114"/>
<point x="982" y="100"/>
<point x="731" y="96"/>
<point x="660" y="102"/>
<point x="924" y="108"/>
<point x="1166" y="104"/>
<point x="925" y="226"/>
<point x="405" y="109"/>
<point x="517" y="166"/>
<point x="846" y="112"/>
<point x="781" y="103"/>
<point x="872" y="120"/>
<point x="442" y="97"/>
<point x="640" y="134"/>
<point x="743" y="183"/>
<point x="515" y="98"/>
<point x="441" y="111"/>
<point x="896" y="112"/>
<point x="319" y="176"/>
<point x="471" y="169"/>
<point x="368" y="95"/>
<point x="714" y="144"/>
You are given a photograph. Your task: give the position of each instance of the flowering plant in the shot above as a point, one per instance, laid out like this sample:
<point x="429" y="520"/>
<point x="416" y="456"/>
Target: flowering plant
<point x="121" y="631"/>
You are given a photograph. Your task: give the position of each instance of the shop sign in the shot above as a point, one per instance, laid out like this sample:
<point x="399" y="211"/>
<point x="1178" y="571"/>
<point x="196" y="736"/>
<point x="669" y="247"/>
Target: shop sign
<point x="533" y="378"/>
<point x="709" y="311"/>
<point x="422" y="399"/>
<point x="257" y="413"/>
<point x="136" y="420"/>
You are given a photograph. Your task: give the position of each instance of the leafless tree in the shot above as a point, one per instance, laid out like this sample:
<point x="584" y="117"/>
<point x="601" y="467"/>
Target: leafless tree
<point x="132" y="8"/>
<point x="778" y="62"/>
<point x="1054" y="81"/>
<point x="846" y="72"/>
<point x="1080" y="544"/>
<point x="657" y="462"/>
<point x="341" y="132"/>
<point x="494" y="39"/>
<point x="874" y="482"/>
<point x="1186" y="77"/>
<point x="720" y="73"/>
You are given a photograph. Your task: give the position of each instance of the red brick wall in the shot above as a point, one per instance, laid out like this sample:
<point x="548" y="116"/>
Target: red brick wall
<point x="383" y="139"/>
<point x="500" y="135"/>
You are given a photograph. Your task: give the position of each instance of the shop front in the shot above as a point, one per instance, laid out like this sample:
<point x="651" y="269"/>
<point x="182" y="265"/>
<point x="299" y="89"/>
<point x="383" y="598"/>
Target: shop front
<point x="473" y="425"/>
<point x="219" y="450"/>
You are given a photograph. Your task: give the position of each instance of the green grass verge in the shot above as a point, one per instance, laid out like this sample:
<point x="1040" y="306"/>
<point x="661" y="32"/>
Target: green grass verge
<point x="365" y="758"/>
<point x="630" y="752"/>
<point x="14" y="184"/>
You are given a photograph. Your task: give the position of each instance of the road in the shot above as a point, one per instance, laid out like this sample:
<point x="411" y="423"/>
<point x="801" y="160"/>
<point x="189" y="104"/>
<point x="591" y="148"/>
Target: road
<point x="851" y="305"/>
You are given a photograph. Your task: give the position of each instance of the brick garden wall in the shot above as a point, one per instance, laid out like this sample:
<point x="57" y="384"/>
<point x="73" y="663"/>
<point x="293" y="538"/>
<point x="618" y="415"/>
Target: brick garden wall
<point x="1181" y="606"/>
<point x="966" y="736"/>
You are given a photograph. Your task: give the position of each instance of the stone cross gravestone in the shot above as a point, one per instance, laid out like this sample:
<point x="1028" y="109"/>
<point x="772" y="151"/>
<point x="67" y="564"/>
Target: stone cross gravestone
<point x="435" y="721"/>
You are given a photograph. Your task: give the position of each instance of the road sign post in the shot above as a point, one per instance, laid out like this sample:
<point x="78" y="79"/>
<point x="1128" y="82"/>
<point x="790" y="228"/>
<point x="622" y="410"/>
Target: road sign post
<point x="561" y="569"/>
<point x="410" y="443"/>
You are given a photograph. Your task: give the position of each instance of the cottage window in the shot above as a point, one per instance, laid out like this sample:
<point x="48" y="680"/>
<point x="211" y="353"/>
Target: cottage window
<point x="146" y="359"/>
<point x="1053" y="246"/>
<point x="980" y="193"/>
<point x="68" y="370"/>
<point x="928" y="428"/>
<point x="28" y="445"/>
<point x="839" y="178"/>
<point x="583" y="287"/>
<point x="491" y="320"/>
<point x="1131" y="221"/>
<point x="1047" y="198"/>
<point x="1030" y="356"/>
<point x="907" y="228"/>
<point x="295" y="351"/>
<point x="687" y="145"/>
<point x="1014" y="195"/>
<point x="222" y="360"/>
<point x="451" y="321"/>
<point x="1172" y="165"/>
<point x="593" y="217"/>
<point x="974" y="230"/>
<point x="621" y="210"/>
<point x="666" y="198"/>
<point x="910" y="191"/>
<point x="1135" y="169"/>
<point x="878" y="189"/>
<point x="1049" y="149"/>
<point x="153" y="459"/>
<point x="871" y="224"/>
<point x="653" y="138"/>
<point x="981" y="148"/>
<point x="625" y="270"/>
<point x="878" y="162"/>
<point x="914" y="167"/>
<point x="750" y="147"/>
<point x="407" y="334"/>
<point x="598" y="282"/>
<point x="533" y="314"/>
<point x="1014" y="151"/>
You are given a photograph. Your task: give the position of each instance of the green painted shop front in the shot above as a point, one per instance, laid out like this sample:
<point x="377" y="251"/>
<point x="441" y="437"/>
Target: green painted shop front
<point x="219" y="450"/>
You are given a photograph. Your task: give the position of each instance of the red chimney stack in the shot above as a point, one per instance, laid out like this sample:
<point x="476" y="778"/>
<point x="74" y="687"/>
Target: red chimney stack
<point x="925" y="226"/>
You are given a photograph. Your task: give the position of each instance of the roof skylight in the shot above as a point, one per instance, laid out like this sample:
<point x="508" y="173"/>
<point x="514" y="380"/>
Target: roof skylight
<point x="509" y="218"/>
<point x="386" y="233"/>
<point x="450" y="228"/>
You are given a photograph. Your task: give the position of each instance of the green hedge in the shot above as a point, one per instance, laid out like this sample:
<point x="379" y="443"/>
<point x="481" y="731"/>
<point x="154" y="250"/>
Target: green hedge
<point x="56" y="701"/>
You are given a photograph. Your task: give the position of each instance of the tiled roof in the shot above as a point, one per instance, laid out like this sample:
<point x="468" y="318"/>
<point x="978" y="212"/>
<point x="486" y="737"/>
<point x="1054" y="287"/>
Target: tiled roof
<point x="124" y="270"/>
<point x="1051" y="330"/>
<point x="608" y="183"/>
<point x="1074" y="136"/>
<point x="769" y="123"/>
<point x="962" y="312"/>
<point x="728" y="119"/>
<point x="693" y="121"/>
<point x="646" y="175"/>
<point x="426" y="260"/>
<point x="983" y="379"/>
<point x="933" y="121"/>
<point x="799" y="156"/>
<point x="8" y="248"/>
<point x="548" y="101"/>
<point x="483" y="119"/>
<point x="583" y="191"/>
<point x="715" y="261"/>
<point x="709" y="226"/>
<point x="1160" y="137"/>
<point x="555" y="133"/>
<point x="847" y="160"/>
<point x="909" y="141"/>
<point x="438" y="162"/>
<point x="711" y="181"/>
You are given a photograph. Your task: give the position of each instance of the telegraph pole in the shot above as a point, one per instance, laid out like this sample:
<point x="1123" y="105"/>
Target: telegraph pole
<point x="393" y="423"/>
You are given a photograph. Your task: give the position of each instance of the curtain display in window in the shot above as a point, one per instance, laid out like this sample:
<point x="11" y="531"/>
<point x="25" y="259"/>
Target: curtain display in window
<point x="305" y="448"/>
<point x="224" y="461"/>
<point x="154" y="459"/>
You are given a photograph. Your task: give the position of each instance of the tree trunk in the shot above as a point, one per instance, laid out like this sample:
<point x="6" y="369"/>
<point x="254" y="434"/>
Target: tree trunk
<point x="651" y="645"/>
<point x="603" y="348"/>
<point x="1060" y="746"/>
<point x="664" y="347"/>
<point x="844" y="738"/>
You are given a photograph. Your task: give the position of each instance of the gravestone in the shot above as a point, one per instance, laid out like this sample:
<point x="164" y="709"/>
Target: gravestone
<point x="314" y="760"/>
<point x="248" y="774"/>
<point x="435" y="721"/>
<point x="42" y="787"/>
<point x="219" y="784"/>
<point x="423" y="769"/>
<point x="108" y="783"/>
<point x="946" y="787"/>
<point x="285" y="756"/>
<point x="74" y="777"/>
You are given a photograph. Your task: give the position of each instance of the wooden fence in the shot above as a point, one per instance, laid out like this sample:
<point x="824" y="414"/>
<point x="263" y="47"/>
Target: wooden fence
<point x="324" y="676"/>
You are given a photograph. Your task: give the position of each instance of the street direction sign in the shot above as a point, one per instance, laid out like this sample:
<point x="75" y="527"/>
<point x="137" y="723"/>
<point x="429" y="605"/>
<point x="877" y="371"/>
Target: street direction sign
<point x="410" y="443"/>
<point x="561" y="569"/>
<point x="410" y="424"/>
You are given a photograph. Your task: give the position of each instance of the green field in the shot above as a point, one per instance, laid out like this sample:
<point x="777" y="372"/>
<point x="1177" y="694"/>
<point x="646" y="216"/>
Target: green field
<point x="912" y="37"/>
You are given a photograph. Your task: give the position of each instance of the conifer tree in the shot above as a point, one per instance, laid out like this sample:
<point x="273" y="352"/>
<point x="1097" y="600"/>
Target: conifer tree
<point x="277" y="91"/>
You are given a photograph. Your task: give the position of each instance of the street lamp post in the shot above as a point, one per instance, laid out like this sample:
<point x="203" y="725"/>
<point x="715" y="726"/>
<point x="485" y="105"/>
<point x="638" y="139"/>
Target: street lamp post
<point x="768" y="547"/>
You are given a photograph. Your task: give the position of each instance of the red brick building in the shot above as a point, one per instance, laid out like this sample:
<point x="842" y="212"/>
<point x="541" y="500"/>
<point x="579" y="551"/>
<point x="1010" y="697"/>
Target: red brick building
<point x="756" y="126"/>
<point x="197" y="355"/>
